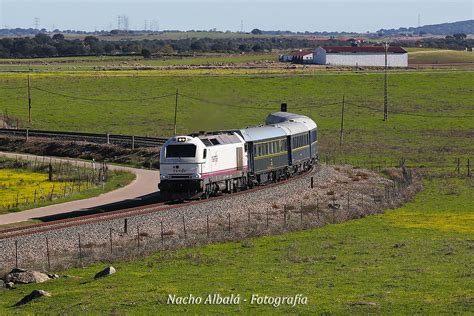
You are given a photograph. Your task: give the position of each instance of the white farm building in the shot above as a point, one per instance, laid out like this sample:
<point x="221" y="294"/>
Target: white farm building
<point x="360" y="56"/>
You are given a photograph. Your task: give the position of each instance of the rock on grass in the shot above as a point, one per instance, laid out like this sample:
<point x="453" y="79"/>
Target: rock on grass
<point x="32" y="296"/>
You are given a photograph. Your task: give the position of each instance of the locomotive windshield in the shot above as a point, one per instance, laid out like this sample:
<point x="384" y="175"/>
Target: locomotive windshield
<point x="177" y="151"/>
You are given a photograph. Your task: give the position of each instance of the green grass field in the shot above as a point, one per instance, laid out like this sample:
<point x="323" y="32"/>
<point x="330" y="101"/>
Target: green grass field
<point x="124" y="62"/>
<point x="430" y="113"/>
<point x="406" y="261"/>
<point x="416" y="259"/>
<point x="438" y="56"/>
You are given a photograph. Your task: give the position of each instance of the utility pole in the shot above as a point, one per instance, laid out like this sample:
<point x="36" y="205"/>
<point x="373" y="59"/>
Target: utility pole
<point x="29" y="100"/>
<point x="176" y="111"/>
<point x="341" y="137"/>
<point x="386" y="45"/>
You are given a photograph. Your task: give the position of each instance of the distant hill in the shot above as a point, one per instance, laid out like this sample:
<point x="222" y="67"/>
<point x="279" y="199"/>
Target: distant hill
<point x="466" y="27"/>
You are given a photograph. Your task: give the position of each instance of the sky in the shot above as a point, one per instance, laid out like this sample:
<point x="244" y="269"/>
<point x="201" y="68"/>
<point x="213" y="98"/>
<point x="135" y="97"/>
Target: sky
<point x="300" y="15"/>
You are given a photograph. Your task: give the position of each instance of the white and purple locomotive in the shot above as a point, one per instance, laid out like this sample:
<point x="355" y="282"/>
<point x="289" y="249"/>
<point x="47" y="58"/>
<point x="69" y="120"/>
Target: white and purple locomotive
<point x="201" y="165"/>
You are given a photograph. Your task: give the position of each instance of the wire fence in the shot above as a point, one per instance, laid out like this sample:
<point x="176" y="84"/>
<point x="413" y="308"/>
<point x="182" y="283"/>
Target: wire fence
<point x="133" y="236"/>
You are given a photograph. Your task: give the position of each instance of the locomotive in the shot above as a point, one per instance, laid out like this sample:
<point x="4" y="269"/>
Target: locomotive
<point x="205" y="164"/>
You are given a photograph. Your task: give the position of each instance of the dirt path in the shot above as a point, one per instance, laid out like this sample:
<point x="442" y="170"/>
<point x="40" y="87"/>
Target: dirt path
<point x="146" y="182"/>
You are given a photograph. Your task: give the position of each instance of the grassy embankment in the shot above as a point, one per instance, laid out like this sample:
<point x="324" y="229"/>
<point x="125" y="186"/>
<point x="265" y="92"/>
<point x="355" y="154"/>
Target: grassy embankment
<point x="413" y="259"/>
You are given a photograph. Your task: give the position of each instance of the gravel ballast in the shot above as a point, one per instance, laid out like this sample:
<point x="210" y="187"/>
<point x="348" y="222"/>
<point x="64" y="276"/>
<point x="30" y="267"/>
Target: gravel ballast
<point x="340" y="193"/>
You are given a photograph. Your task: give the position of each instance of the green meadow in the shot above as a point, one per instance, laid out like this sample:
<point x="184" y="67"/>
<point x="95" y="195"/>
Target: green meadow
<point x="430" y="112"/>
<point x="413" y="260"/>
<point x="416" y="259"/>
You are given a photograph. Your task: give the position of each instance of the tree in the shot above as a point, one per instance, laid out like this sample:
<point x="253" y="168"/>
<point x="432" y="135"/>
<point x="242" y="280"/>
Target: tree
<point x="58" y="37"/>
<point x="256" y="31"/>
<point x="146" y="53"/>
<point x="257" y="48"/>
<point x="459" y="36"/>
<point x="91" y="40"/>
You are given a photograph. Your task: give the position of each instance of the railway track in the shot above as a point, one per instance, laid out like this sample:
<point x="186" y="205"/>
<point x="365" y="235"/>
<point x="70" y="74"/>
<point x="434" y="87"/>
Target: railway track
<point x="116" y="139"/>
<point x="124" y="213"/>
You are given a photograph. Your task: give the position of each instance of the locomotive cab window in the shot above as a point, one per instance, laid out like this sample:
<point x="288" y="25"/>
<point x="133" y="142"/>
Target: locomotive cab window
<point x="204" y="154"/>
<point x="181" y="151"/>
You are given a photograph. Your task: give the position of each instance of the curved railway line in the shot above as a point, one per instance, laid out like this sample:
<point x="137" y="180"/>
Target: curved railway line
<point x="124" y="213"/>
<point x="116" y="139"/>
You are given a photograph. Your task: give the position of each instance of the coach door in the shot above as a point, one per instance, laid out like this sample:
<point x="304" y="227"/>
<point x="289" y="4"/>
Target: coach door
<point x="240" y="158"/>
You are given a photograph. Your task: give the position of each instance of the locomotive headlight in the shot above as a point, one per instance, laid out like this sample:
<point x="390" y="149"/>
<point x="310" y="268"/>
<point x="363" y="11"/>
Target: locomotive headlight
<point x="181" y="139"/>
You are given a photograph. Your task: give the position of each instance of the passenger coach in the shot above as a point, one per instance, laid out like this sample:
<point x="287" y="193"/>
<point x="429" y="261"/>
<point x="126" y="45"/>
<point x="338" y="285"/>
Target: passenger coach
<point x="201" y="165"/>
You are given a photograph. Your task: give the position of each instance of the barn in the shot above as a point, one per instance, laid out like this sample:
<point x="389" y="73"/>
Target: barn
<point x="301" y="57"/>
<point x="373" y="56"/>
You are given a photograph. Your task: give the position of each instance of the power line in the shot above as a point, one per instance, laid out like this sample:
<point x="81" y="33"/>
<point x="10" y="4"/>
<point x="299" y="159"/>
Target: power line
<point x="103" y="100"/>
<point x="410" y="113"/>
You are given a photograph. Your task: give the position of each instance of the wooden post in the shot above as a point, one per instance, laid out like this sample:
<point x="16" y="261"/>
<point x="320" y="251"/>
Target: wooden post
<point x="458" y="166"/>
<point x="184" y="228"/>
<point x="301" y="217"/>
<point x="29" y="100"/>
<point x="111" y="245"/>
<point x="16" y="253"/>
<point x="47" y="254"/>
<point x="162" y="237"/>
<point x="317" y="208"/>
<point x="267" y="217"/>
<point x="348" y="202"/>
<point x="341" y="135"/>
<point x="138" y="238"/>
<point x="80" y="249"/>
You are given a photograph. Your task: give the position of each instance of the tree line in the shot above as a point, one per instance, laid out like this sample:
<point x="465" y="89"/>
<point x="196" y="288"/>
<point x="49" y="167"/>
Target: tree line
<point x="44" y="45"/>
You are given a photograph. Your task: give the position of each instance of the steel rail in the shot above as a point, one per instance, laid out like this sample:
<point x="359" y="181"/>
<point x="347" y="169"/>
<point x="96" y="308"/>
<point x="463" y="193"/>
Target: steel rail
<point x="129" y="212"/>
<point x="117" y="139"/>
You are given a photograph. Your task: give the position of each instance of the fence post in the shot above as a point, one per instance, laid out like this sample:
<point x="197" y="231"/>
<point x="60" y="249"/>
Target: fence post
<point x="458" y="166"/>
<point x="348" y="203"/>
<point x="110" y="236"/>
<point x="47" y="254"/>
<point x="138" y="237"/>
<point x="301" y="217"/>
<point x="267" y="217"/>
<point x="80" y="250"/>
<point x="184" y="228"/>
<point x="16" y="253"/>
<point x="162" y="237"/>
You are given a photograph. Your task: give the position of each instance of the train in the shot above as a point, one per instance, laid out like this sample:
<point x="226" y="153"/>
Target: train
<point x="204" y="164"/>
